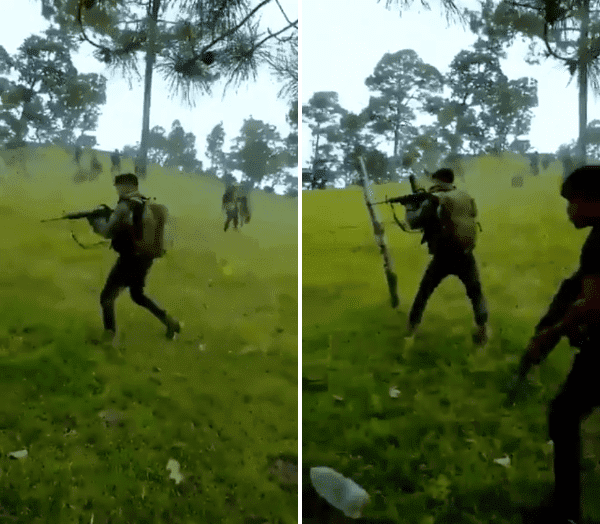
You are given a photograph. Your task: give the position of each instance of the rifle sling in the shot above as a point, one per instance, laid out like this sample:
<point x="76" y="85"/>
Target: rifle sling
<point x="88" y="246"/>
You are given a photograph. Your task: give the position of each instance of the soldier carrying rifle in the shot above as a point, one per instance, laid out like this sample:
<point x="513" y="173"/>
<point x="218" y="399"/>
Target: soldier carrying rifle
<point x="574" y="313"/>
<point x="236" y="206"/>
<point x="446" y="215"/>
<point x="135" y="228"/>
<point x="128" y="227"/>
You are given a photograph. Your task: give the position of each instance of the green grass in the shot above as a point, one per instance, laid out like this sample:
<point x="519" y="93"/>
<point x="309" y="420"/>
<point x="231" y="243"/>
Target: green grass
<point x="427" y="455"/>
<point x="221" y="399"/>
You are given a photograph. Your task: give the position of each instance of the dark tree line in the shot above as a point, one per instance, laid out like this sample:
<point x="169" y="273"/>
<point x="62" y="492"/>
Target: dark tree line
<point x="44" y="98"/>
<point x="259" y="153"/>
<point x="191" y="43"/>
<point x="484" y="112"/>
<point x="263" y="157"/>
<point x="473" y="109"/>
<point x="565" y="31"/>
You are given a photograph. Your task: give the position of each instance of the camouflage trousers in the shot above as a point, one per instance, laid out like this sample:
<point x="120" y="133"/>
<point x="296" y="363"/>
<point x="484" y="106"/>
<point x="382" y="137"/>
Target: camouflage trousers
<point x="232" y="215"/>
<point x="462" y="265"/>
<point x="128" y="272"/>
<point x="577" y="398"/>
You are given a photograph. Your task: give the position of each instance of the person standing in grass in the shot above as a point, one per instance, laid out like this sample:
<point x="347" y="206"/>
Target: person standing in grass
<point x="449" y="229"/>
<point x="230" y="206"/>
<point x="130" y="271"/>
<point x="77" y="155"/>
<point x="574" y="313"/>
<point x="115" y="160"/>
<point x="243" y="207"/>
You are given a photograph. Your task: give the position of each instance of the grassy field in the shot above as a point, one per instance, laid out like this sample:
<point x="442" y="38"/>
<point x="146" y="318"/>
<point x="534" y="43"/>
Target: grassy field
<point x="420" y="428"/>
<point x="100" y="425"/>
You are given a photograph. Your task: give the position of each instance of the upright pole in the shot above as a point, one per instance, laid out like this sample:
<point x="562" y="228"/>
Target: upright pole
<point x="388" y="266"/>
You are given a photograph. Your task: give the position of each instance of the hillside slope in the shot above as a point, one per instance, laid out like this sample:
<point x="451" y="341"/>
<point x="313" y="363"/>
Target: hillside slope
<point x="419" y="428"/>
<point x="221" y="399"/>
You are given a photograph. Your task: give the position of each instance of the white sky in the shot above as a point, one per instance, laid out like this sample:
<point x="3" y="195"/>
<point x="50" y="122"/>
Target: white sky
<point x="121" y="120"/>
<point x="342" y="42"/>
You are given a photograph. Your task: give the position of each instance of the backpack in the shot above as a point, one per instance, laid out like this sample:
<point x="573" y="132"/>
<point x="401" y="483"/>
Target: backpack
<point x="149" y="219"/>
<point x="457" y="212"/>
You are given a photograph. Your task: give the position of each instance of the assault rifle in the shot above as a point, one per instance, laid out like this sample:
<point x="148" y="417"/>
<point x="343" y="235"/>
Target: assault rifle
<point x="101" y="211"/>
<point x="415" y="199"/>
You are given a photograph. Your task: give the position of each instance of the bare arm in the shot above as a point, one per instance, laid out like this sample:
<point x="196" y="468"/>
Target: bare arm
<point x="585" y="310"/>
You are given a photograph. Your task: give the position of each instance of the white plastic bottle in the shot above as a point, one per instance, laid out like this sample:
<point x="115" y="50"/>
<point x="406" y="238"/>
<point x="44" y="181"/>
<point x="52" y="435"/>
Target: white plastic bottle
<point x="342" y="493"/>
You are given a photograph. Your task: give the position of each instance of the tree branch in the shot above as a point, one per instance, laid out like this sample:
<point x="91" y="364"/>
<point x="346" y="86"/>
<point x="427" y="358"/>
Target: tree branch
<point x="551" y="51"/>
<point x="527" y="6"/>
<point x="283" y="12"/>
<point x="234" y="29"/>
<point x="274" y="35"/>
<point x="85" y="37"/>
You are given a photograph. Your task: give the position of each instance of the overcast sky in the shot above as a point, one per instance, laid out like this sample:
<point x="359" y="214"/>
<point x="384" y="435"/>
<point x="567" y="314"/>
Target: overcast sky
<point x="342" y="42"/>
<point x="121" y="120"/>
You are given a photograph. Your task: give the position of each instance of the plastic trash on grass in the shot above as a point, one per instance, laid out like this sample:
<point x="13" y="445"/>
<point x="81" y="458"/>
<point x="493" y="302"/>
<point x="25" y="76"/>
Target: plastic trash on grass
<point x="341" y="492"/>
<point x="174" y="468"/>
<point x="504" y="461"/>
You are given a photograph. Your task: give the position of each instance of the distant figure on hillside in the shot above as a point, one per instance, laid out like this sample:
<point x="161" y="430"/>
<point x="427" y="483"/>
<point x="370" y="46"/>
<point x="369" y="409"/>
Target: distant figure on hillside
<point x="95" y="167"/>
<point x="449" y="229"/>
<point x="534" y="163"/>
<point x="243" y="207"/>
<point x="80" y="174"/>
<point x="574" y="313"/>
<point x="115" y="161"/>
<point x="229" y="204"/>
<point x="77" y="155"/>
<point x="3" y="169"/>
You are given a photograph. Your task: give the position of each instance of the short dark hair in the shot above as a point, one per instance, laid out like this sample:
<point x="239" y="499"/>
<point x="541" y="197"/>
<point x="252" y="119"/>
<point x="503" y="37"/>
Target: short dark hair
<point x="127" y="178"/>
<point x="445" y="175"/>
<point x="583" y="181"/>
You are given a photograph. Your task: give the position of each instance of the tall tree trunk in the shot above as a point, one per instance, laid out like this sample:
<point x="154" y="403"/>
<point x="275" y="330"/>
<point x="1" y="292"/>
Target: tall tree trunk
<point x="316" y="154"/>
<point x="397" y="161"/>
<point x="142" y="160"/>
<point x="315" y="160"/>
<point x="583" y="83"/>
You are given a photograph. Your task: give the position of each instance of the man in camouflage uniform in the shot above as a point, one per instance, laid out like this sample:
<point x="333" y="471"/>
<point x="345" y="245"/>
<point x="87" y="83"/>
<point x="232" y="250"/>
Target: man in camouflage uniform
<point x="131" y="268"/>
<point x="573" y="313"/>
<point x="451" y="240"/>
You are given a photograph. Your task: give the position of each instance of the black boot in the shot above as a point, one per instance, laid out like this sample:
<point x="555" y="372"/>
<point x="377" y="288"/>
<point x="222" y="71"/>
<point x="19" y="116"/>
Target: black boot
<point x="173" y="327"/>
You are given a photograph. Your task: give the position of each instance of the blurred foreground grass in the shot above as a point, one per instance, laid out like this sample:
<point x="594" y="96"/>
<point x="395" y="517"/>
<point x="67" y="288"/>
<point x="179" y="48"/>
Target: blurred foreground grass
<point x="100" y="425"/>
<point x="420" y="428"/>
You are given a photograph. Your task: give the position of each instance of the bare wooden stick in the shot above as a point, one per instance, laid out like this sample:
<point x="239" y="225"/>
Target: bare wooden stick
<point x="388" y="266"/>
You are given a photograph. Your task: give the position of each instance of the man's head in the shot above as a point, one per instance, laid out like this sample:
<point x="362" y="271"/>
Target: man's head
<point x="582" y="190"/>
<point x="443" y="175"/>
<point x="126" y="183"/>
